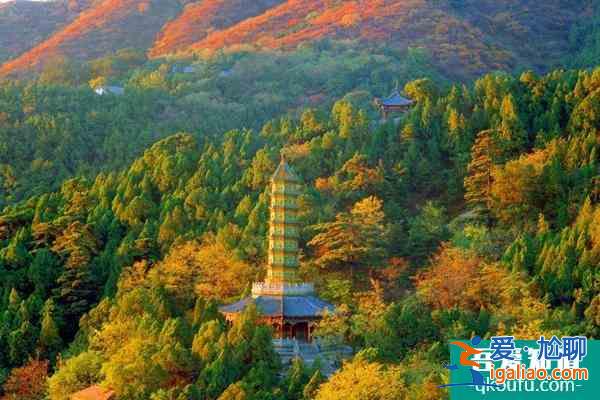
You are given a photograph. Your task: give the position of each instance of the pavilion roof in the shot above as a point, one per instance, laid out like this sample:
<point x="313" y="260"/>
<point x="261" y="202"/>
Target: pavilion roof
<point x="94" y="392"/>
<point x="283" y="306"/>
<point x="395" y="99"/>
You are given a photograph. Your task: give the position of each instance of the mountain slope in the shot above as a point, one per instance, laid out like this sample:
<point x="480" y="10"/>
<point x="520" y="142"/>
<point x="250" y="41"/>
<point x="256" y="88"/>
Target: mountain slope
<point x="469" y="38"/>
<point x="107" y="26"/>
<point x="23" y="23"/>
<point x="464" y="38"/>
<point x="197" y="20"/>
<point x="396" y="23"/>
<point x="534" y="30"/>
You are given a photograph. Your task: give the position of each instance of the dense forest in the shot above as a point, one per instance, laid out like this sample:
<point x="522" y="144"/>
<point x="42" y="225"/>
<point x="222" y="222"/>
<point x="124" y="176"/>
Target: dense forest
<point x="56" y="126"/>
<point x="478" y="213"/>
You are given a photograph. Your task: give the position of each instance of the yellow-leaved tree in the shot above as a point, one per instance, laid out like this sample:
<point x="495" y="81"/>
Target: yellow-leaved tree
<point x="364" y="380"/>
<point x="356" y="239"/>
<point x="208" y="270"/>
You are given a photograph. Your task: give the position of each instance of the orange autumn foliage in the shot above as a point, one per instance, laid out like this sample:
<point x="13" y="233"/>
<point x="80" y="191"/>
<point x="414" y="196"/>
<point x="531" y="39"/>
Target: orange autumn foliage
<point x="27" y="382"/>
<point x="453" y="41"/>
<point x="460" y="41"/>
<point x="456" y="278"/>
<point x="105" y="26"/>
<point x="459" y="278"/>
<point x="198" y="19"/>
<point x="24" y="22"/>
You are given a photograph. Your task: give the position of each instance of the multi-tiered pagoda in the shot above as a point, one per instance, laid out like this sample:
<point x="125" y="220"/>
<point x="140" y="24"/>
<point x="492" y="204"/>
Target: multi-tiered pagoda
<point x="285" y="303"/>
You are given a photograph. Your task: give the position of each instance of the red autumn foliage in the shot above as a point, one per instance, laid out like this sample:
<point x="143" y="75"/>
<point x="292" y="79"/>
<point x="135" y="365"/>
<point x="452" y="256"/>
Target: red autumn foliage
<point x="455" y="42"/>
<point x="27" y="382"/>
<point x="23" y="23"/>
<point x="106" y="26"/>
<point x="199" y="19"/>
<point x="466" y="39"/>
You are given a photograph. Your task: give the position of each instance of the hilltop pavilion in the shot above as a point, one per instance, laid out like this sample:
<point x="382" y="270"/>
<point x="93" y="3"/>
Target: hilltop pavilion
<point x="395" y="103"/>
<point x="287" y="304"/>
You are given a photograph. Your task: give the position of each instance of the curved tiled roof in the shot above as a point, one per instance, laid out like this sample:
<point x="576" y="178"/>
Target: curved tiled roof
<point x="283" y="306"/>
<point x="395" y="99"/>
<point x="94" y="392"/>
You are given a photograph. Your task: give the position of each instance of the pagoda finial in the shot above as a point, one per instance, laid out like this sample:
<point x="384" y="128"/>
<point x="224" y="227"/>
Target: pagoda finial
<point x="284" y="172"/>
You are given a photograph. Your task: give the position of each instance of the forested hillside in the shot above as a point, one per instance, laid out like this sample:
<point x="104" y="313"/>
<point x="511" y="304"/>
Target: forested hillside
<point x="493" y="185"/>
<point x="463" y="38"/>
<point x="584" y="40"/>
<point x="56" y="127"/>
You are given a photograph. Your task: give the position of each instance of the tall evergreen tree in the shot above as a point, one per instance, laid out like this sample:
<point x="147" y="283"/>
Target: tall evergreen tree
<point x="478" y="183"/>
<point x="77" y="288"/>
<point x="49" y="341"/>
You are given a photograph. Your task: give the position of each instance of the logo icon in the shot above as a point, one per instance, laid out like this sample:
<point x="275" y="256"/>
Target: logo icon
<point x="468" y="351"/>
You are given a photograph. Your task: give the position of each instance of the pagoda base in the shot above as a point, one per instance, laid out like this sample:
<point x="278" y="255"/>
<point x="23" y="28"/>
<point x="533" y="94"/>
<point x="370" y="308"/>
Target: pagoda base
<point x="300" y="329"/>
<point x="282" y="289"/>
<point x="290" y="316"/>
<point x="330" y="357"/>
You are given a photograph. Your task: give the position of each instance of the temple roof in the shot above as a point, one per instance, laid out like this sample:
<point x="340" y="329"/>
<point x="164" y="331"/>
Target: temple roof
<point x="395" y="99"/>
<point x="283" y="306"/>
<point x="94" y="392"/>
<point x="285" y="173"/>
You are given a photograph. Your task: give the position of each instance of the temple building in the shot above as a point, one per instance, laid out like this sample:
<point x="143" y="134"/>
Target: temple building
<point x="395" y="103"/>
<point x="287" y="304"/>
<point x="94" y="392"/>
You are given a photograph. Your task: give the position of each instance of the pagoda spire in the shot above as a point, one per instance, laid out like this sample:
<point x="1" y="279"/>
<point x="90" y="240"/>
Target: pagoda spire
<point x="283" y="261"/>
